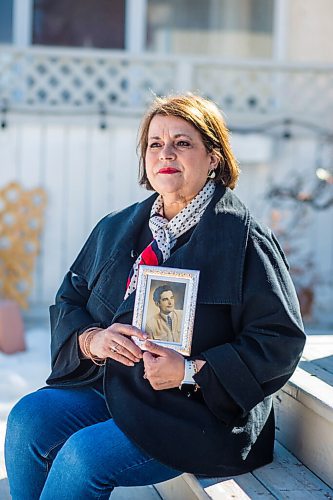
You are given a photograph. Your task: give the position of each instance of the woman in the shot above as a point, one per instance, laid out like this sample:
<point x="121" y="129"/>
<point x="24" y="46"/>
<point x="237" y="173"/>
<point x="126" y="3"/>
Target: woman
<point x="114" y="415"/>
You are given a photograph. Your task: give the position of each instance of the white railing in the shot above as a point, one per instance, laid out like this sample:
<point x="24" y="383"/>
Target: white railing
<point x="68" y="80"/>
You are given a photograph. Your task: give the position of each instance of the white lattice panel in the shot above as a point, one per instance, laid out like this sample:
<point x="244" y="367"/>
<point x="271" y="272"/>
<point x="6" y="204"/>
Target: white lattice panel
<point x="82" y="80"/>
<point x="42" y="79"/>
<point x="269" y="90"/>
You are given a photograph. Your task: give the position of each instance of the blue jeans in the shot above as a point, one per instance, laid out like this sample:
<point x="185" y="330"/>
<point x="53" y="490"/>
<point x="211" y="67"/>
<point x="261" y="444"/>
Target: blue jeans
<point x="62" y="443"/>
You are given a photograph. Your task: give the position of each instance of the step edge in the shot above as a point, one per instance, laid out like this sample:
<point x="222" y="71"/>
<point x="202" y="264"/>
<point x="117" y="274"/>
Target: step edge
<point x="194" y="489"/>
<point x="311" y="392"/>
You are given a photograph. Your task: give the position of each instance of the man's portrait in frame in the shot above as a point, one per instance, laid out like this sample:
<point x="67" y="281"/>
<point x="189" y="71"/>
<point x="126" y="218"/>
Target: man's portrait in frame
<point x="165" y="311"/>
<point x="165" y="306"/>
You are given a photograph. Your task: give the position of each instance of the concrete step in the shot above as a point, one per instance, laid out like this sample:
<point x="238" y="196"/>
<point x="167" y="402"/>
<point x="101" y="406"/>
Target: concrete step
<point x="304" y="409"/>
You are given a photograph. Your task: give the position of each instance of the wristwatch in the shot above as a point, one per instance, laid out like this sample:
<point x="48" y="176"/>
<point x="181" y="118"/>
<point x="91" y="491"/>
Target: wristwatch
<point x="188" y="383"/>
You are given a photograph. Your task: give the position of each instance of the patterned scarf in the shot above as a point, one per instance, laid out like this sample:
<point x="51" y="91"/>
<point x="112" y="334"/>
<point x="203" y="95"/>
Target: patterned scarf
<point x="166" y="232"/>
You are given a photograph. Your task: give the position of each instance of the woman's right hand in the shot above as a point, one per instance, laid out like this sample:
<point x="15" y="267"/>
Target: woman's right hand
<point x="115" y="342"/>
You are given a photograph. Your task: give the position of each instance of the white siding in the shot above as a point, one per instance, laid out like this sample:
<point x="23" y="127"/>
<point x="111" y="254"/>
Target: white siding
<point x="88" y="172"/>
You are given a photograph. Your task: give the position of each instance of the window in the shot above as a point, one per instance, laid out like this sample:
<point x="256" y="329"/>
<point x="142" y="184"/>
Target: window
<point x="6" y="21"/>
<point x="79" y="23"/>
<point x="229" y="28"/>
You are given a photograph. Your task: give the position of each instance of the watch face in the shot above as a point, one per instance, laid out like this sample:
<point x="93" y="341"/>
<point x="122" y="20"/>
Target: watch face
<point x="189" y="383"/>
<point x="188" y="389"/>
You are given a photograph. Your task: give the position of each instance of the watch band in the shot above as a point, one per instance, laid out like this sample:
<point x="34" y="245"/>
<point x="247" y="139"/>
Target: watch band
<point x="190" y="371"/>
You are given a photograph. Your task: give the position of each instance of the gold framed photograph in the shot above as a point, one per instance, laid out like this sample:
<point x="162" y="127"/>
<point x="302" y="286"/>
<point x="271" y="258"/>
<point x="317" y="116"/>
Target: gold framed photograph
<point x="165" y="306"/>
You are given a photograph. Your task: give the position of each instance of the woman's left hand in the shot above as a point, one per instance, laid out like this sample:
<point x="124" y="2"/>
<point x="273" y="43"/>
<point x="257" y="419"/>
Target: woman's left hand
<point x="164" y="368"/>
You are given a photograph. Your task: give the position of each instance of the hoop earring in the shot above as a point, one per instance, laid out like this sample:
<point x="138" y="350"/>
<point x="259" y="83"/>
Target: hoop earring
<point x="211" y="174"/>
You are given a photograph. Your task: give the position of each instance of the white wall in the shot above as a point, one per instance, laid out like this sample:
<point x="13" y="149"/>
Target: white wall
<point x="310" y="31"/>
<point x="86" y="172"/>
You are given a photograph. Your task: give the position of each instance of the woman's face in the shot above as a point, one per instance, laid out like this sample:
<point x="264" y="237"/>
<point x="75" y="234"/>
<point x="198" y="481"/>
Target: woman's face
<point x="177" y="162"/>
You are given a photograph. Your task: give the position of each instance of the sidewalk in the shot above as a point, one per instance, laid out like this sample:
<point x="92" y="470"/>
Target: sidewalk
<point x="20" y="374"/>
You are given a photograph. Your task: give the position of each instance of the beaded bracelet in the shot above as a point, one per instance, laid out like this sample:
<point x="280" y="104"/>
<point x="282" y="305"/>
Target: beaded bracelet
<point x="86" y="347"/>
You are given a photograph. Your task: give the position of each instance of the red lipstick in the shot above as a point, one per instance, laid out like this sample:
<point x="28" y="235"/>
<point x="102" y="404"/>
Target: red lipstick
<point x="168" y="170"/>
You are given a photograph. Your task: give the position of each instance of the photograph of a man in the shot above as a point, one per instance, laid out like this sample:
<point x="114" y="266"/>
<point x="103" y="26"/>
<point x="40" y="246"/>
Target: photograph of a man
<point x="166" y="323"/>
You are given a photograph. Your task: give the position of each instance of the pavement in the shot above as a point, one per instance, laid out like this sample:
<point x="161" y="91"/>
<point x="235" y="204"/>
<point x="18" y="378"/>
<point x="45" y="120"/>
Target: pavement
<point x="21" y="374"/>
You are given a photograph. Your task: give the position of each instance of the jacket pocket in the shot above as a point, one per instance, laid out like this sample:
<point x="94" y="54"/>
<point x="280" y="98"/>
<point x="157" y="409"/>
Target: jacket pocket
<point x="102" y="302"/>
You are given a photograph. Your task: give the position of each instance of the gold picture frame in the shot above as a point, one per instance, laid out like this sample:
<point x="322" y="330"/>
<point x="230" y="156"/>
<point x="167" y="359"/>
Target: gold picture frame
<point x="165" y="305"/>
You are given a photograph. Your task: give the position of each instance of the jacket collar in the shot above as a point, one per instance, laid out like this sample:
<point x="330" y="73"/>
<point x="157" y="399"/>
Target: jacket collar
<point x="216" y="248"/>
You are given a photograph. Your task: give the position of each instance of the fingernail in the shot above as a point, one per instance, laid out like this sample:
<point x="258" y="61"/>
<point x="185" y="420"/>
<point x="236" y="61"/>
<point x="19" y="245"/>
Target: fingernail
<point x="131" y="363"/>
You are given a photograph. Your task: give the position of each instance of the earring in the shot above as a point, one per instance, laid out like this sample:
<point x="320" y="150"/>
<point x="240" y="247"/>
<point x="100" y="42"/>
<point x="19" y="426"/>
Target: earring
<point x="211" y="174"/>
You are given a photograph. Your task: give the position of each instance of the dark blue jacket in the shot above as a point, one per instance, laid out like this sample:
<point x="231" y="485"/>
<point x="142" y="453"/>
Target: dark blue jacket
<point x="247" y="327"/>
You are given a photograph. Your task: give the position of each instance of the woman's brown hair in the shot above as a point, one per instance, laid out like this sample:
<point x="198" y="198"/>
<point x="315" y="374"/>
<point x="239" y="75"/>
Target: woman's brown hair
<point x="207" y="119"/>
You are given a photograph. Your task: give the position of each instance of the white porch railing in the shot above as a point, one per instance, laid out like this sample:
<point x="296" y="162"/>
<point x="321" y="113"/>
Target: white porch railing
<point x="64" y="80"/>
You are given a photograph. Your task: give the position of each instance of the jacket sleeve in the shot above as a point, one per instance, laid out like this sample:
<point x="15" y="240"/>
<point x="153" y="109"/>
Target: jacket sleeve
<point x="269" y="336"/>
<point x="69" y="318"/>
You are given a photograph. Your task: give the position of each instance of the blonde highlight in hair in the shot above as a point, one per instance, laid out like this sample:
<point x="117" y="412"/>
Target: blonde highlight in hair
<point x="207" y="119"/>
